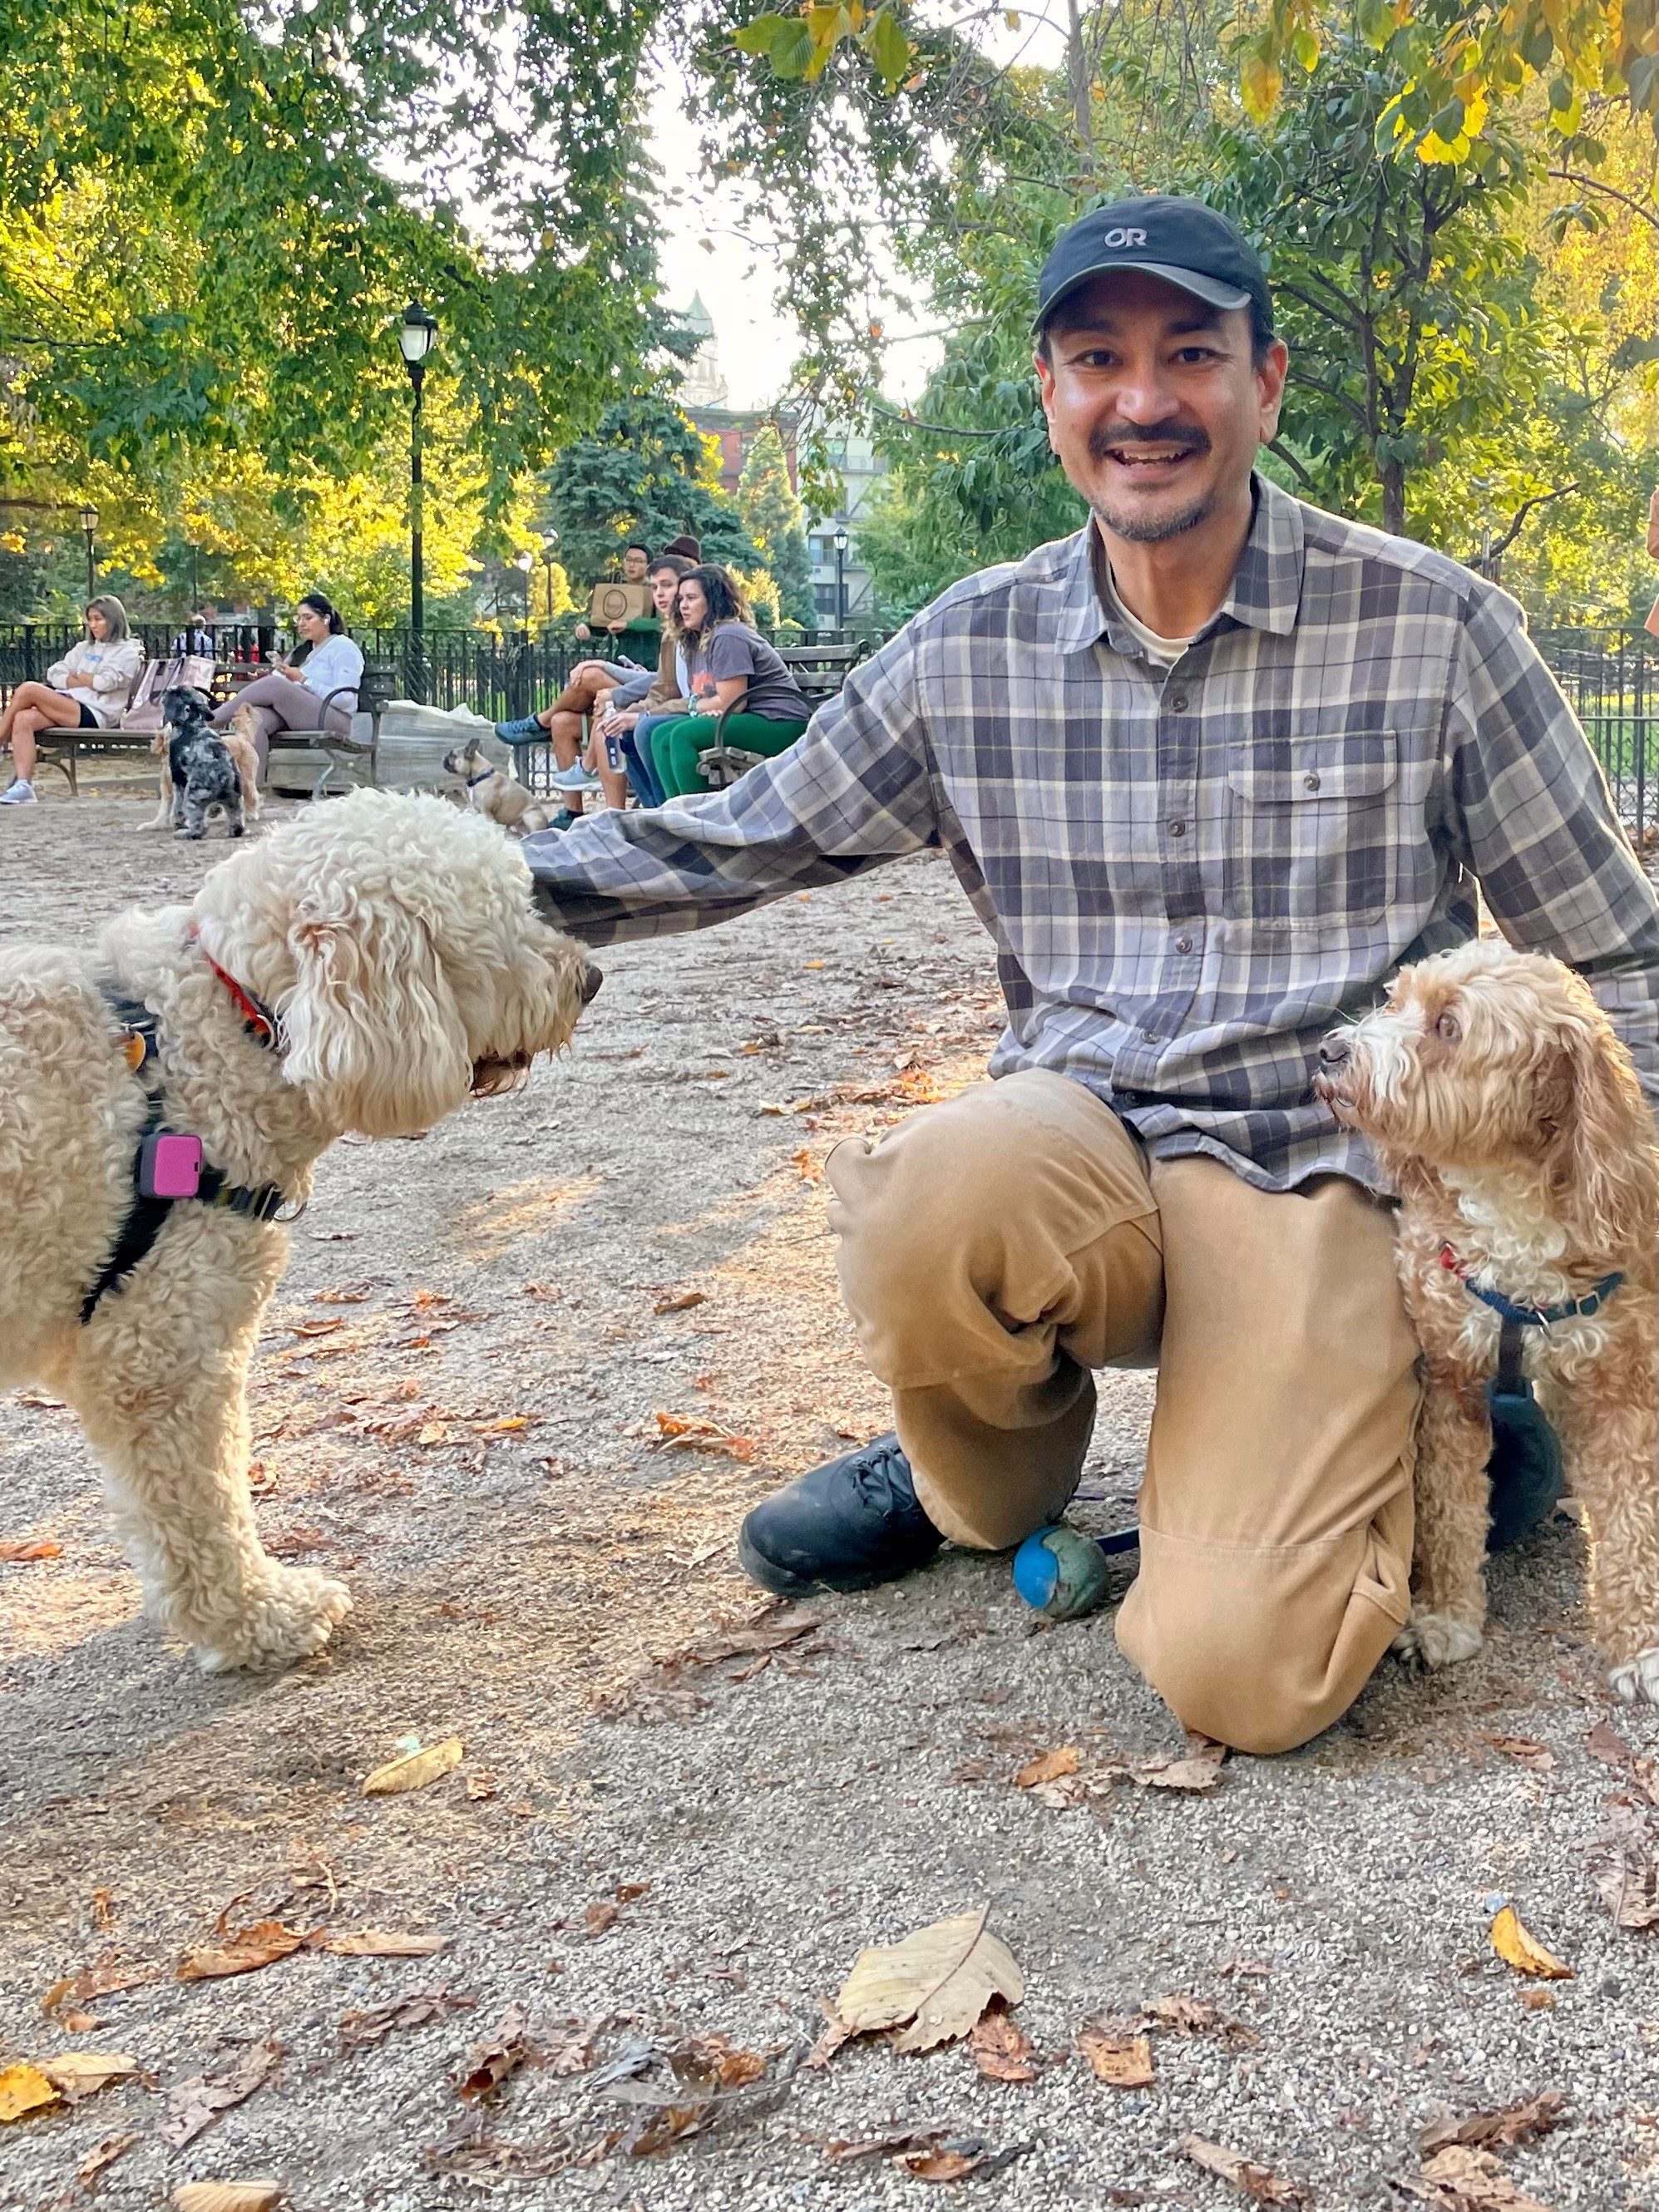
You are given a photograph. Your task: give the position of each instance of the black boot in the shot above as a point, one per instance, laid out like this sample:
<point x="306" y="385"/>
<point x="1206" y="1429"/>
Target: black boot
<point x="846" y="1526"/>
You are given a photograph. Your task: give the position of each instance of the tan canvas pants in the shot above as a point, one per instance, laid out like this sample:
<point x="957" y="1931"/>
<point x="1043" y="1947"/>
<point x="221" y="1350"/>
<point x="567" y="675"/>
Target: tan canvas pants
<point x="995" y="1249"/>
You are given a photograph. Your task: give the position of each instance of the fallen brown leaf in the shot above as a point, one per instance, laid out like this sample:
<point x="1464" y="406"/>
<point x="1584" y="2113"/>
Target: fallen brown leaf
<point x="196" y="2104"/>
<point x="18" y="1551"/>
<point x="347" y="1294"/>
<point x="1630" y="1892"/>
<point x="1192" y="2017"/>
<point x="1198" y="1768"/>
<point x="1517" y="1947"/>
<point x="1002" y="2051"/>
<point x="102" y="1979"/>
<point x="80" y="2073"/>
<point x="1605" y="1744"/>
<point x="226" y="2196"/>
<point x="715" y="2057"/>
<point x="416" y="1770"/>
<point x="691" y="1432"/>
<point x="380" y="1943"/>
<point x="934" y="1985"/>
<point x="1460" y="2180"/>
<point x="25" y="2089"/>
<point x="603" y="1913"/>
<point x="1521" y="1748"/>
<point x="314" y="1327"/>
<point x="488" y="2063"/>
<point x="356" y="2030"/>
<point x="681" y="1302"/>
<point x="1116" y="2056"/>
<point x="1048" y="1766"/>
<point x="1259" y="2182"/>
<point x="1520" y="2122"/>
<point x="242" y="1951"/>
<point x="105" y="2153"/>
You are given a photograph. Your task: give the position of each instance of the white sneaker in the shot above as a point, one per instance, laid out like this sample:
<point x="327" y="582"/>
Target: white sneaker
<point x="21" y="794"/>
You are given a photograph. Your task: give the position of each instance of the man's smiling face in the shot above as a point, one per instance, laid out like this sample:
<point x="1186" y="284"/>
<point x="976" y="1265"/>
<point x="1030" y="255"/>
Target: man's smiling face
<point x="1156" y="403"/>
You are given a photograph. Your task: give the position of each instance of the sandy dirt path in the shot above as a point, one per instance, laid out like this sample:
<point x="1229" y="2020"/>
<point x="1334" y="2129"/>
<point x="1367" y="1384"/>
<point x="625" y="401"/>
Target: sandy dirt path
<point x="455" y="1406"/>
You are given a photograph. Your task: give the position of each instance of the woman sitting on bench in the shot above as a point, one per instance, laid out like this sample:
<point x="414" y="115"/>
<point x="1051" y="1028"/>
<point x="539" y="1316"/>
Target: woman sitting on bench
<point x="291" y="698"/>
<point x="85" y="690"/>
<point x="725" y="659"/>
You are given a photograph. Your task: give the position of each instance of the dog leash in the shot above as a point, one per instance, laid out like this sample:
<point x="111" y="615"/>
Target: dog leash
<point x="1513" y="1318"/>
<point x="167" y="1164"/>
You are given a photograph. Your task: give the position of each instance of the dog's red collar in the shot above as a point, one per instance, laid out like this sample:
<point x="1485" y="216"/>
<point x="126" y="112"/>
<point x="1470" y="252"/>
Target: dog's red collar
<point x="258" y="1019"/>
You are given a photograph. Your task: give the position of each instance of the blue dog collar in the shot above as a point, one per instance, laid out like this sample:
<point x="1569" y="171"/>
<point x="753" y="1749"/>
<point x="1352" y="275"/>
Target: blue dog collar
<point x="1531" y="1316"/>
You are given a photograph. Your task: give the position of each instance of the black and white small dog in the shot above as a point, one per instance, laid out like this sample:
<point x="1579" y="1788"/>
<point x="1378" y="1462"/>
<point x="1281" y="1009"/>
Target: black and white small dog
<point x="201" y="767"/>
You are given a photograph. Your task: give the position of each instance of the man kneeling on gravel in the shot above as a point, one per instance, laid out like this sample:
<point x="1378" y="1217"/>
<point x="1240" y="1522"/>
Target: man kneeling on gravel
<point x="1209" y="771"/>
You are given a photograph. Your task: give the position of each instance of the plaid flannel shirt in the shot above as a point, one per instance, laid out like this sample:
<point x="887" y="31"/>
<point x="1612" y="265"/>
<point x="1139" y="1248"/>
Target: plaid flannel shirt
<point x="1189" y="874"/>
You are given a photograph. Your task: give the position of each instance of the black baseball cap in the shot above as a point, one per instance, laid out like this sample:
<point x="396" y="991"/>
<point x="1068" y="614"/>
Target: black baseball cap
<point x="1183" y="241"/>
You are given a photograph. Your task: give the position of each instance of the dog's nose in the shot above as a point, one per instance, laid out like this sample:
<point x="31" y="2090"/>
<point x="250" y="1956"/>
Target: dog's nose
<point x="592" y="979"/>
<point x="1335" y="1052"/>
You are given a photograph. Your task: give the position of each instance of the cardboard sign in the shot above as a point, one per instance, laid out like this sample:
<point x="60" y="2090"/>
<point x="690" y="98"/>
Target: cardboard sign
<point x="617" y="603"/>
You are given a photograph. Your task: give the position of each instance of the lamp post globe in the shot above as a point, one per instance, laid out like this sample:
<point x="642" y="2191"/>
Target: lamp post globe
<point x="840" y="543"/>
<point x="417" y="333"/>
<point x="89" y="530"/>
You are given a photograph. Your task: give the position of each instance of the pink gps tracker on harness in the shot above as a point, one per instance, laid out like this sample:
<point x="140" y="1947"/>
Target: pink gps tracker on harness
<point x="170" y="1166"/>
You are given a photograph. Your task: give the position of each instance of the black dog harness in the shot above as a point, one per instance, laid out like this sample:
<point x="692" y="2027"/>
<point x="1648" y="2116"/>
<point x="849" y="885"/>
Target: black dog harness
<point x="146" y="1216"/>
<point x="1514" y="1318"/>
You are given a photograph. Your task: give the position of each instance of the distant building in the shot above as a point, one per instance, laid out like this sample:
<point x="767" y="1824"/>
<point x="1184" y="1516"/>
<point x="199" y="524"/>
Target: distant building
<point x="702" y="396"/>
<point x="861" y="469"/>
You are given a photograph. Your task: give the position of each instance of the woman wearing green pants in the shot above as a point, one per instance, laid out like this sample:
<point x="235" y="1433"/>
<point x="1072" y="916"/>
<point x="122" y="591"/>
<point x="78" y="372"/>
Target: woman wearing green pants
<point x="725" y="659"/>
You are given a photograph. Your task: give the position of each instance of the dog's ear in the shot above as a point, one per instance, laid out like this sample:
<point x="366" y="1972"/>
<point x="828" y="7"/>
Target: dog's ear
<point x="1599" y="1133"/>
<point x="371" y="1023"/>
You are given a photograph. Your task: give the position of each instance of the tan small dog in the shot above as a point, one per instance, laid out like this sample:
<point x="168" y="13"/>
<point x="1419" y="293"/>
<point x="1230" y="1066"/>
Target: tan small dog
<point x="492" y="794"/>
<point x="1511" y="1120"/>
<point x="240" y="747"/>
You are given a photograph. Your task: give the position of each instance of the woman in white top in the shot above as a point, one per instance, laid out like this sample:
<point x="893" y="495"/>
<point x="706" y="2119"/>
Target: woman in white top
<point x="85" y="690"/>
<point x="291" y="698"/>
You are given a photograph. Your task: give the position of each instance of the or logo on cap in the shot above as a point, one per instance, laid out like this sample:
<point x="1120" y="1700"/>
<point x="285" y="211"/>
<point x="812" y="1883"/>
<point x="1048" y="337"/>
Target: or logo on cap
<point x="1115" y="238"/>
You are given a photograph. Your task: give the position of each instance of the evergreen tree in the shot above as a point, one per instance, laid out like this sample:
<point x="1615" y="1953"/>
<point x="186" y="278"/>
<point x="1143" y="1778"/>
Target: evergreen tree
<point x="776" y="520"/>
<point x="645" y="473"/>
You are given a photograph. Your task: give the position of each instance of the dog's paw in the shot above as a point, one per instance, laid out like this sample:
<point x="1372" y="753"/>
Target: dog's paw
<point x="1438" y="1639"/>
<point x="291" y="1617"/>
<point x="1637" y="1682"/>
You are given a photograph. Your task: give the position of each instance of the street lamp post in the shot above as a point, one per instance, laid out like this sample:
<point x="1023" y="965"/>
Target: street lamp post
<point x="418" y="334"/>
<point x="840" y="575"/>
<point x="90" y="526"/>
<point x="524" y="563"/>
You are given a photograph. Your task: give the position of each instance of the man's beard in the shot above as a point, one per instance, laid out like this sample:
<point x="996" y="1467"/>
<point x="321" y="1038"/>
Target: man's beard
<point x="1134" y="526"/>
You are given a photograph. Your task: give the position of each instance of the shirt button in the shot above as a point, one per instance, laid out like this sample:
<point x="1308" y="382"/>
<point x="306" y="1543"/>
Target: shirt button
<point x="1178" y="704"/>
<point x="1183" y="945"/>
<point x="1178" y="828"/>
<point x="1311" y="780"/>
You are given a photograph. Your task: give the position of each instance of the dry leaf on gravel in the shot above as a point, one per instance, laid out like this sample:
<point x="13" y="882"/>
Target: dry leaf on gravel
<point x="358" y="2030"/>
<point x="82" y="2074"/>
<point x="1002" y="2051"/>
<point x="1630" y="1890"/>
<point x="1198" y="1768"/>
<point x="196" y="2104"/>
<point x="1116" y="2056"/>
<point x="718" y="2057"/>
<point x="902" y="2135"/>
<point x="953" y="2161"/>
<point x="567" y="2050"/>
<point x="25" y="2089"/>
<point x="1606" y="1744"/>
<point x="226" y="2196"/>
<point x="488" y="2063"/>
<point x="1519" y="1948"/>
<point x="935" y="1986"/>
<point x="1520" y="2122"/>
<point x="380" y="1943"/>
<point x="1462" y="2180"/>
<point x="681" y="1302"/>
<point x="19" y="1551"/>
<point x="102" y="1979"/>
<point x="105" y="2153"/>
<point x="1048" y="1766"/>
<point x="314" y="1327"/>
<point x="242" y="1950"/>
<point x="1255" y="2181"/>
<point x="416" y="1770"/>
<point x="1192" y="2017"/>
<point x="690" y="1432"/>
<point x="1521" y="1748"/>
<point x="346" y="1294"/>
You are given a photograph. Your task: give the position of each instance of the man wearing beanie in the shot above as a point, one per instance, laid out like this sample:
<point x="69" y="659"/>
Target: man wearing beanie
<point x="1209" y="771"/>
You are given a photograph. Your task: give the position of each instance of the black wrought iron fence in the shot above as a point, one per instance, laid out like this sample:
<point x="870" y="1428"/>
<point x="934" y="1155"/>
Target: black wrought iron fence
<point x="1611" y="677"/>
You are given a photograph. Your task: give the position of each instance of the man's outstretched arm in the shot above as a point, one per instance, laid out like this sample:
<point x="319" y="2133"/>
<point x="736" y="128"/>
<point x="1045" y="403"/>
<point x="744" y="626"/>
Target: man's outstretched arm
<point x="1541" y="833"/>
<point x="856" y="789"/>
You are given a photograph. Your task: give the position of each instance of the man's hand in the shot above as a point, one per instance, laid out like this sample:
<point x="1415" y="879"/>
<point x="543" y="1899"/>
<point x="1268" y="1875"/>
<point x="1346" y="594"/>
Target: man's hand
<point x="583" y="631"/>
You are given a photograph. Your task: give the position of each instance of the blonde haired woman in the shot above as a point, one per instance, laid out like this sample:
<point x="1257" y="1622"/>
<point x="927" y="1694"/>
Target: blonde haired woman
<point x="85" y="690"/>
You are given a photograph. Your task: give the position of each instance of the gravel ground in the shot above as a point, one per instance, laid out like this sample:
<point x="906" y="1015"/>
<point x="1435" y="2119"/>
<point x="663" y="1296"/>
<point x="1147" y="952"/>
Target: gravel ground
<point x="641" y="1846"/>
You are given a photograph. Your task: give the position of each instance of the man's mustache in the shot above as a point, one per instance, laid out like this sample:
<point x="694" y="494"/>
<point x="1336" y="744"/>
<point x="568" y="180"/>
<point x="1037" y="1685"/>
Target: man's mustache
<point x="1183" y="434"/>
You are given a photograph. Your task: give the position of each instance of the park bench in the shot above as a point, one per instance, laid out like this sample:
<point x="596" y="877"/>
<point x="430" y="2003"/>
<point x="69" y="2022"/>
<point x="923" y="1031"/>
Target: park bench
<point x="137" y="724"/>
<point x="304" y="760"/>
<point x="820" y="671"/>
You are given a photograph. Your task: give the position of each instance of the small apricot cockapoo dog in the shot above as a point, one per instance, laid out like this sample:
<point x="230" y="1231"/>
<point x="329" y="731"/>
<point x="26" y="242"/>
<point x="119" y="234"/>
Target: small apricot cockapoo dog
<point x="1511" y="1121"/>
<point x="165" y="1095"/>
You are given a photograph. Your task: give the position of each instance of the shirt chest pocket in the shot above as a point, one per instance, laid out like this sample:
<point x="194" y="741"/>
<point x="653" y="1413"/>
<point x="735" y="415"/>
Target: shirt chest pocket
<point x="1312" y="833"/>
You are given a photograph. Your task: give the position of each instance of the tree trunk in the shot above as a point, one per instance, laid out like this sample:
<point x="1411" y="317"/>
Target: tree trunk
<point x="1393" y="475"/>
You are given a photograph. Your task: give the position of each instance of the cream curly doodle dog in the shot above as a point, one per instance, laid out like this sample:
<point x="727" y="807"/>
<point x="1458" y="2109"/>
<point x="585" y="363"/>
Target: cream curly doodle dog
<point x="1510" y="1118"/>
<point x="164" y="1097"/>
